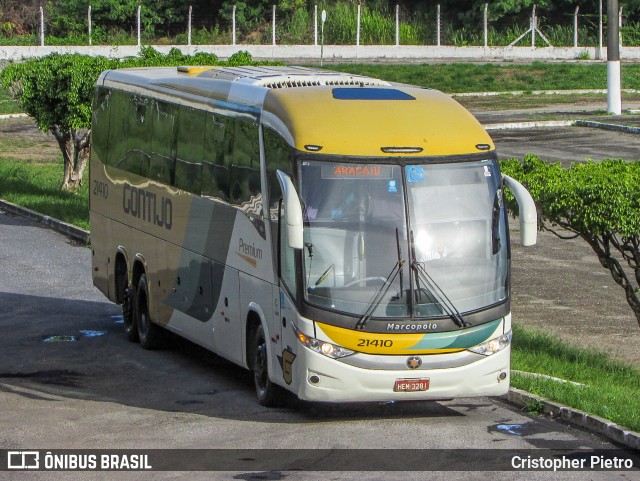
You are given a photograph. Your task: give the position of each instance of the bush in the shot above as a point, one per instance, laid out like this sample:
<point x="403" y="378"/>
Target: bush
<point x="599" y="202"/>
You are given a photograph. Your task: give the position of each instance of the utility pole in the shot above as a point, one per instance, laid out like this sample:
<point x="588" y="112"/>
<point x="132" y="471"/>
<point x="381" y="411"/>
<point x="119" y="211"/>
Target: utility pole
<point x="614" y="102"/>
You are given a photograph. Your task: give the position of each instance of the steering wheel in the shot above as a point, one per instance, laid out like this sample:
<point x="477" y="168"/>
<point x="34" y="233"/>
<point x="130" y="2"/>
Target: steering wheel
<point x="366" y="279"/>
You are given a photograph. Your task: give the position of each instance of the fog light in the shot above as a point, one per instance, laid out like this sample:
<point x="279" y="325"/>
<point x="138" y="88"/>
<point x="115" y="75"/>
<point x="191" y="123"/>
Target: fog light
<point x="314" y="379"/>
<point x="502" y="376"/>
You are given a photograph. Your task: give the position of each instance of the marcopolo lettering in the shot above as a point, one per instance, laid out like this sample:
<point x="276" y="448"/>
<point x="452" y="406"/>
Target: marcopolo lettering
<point x="430" y="326"/>
<point x="147" y="206"/>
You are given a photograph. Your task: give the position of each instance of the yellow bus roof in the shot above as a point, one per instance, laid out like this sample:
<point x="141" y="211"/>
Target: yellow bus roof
<point x="433" y="123"/>
<point x="339" y="113"/>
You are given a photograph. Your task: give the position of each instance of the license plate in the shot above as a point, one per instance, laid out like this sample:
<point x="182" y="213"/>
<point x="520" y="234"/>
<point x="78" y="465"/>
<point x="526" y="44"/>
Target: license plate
<point x="411" y="385"/>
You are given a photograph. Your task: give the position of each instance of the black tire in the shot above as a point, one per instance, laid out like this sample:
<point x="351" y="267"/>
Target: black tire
<point x="150" y="334"/>
<point x="130" y="326"/>
<point x="269" y="394"/>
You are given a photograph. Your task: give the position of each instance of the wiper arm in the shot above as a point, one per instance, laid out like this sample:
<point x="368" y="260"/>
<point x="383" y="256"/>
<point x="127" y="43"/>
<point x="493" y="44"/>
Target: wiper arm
<point x="448" y="306"/>
<point x="377" y="298"/>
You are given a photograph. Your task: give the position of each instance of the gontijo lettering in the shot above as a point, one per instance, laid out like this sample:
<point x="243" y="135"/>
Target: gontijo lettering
<point x="145" y="205"/>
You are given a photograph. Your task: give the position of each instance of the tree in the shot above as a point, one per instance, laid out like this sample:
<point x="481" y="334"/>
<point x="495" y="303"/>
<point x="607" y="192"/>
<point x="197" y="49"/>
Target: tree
<point x="57" y="91"/>
<point x="599" y="202"/>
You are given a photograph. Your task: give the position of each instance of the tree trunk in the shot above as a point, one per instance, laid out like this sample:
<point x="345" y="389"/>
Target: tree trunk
<point x="617" y="271"/>
<point x="74" y="145"/>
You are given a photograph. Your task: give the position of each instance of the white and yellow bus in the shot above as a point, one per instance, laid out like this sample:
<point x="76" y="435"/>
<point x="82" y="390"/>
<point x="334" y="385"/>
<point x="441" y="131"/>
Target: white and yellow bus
<point x="343" y="237"/>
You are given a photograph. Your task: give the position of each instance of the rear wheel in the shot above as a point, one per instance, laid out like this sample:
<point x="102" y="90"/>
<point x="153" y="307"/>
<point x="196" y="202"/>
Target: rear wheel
<point x="269" y="394"/>
<point x="130" y="326"/>
<point x="150" y="334"/>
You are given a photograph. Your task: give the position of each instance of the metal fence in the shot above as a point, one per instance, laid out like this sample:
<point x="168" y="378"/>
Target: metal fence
<point x="534" y="33"/>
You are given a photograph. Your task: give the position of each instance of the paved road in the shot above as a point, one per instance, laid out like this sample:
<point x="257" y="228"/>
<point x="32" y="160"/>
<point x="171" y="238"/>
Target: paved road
<point x="104" y="392"/>
<point x="563" y="144"/>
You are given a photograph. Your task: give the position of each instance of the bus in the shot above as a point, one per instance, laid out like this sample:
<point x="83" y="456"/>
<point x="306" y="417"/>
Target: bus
<point x="343" y="237"/>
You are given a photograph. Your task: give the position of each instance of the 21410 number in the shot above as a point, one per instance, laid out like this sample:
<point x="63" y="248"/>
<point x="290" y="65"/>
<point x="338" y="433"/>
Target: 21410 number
<point x="375" y="343"/>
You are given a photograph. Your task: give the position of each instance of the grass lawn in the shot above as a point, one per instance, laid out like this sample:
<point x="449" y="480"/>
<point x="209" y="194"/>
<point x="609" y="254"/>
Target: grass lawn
<point x="7" y="104"/>
<point x="36" y="186"/>
<point x="497" y="77"/>
<point x="610" y="388"/>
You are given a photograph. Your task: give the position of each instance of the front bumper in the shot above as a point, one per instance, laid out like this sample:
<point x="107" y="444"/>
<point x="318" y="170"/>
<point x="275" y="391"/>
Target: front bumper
<point x="329" y="380"/>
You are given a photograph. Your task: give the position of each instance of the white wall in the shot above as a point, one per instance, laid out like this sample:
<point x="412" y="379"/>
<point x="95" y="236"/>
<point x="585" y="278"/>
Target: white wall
<point x="336" y="52"/>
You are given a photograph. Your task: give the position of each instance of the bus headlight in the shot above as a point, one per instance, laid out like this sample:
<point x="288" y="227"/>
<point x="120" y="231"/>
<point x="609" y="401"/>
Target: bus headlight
<point x="325" y="348"/>
<point x="493" y="345"/>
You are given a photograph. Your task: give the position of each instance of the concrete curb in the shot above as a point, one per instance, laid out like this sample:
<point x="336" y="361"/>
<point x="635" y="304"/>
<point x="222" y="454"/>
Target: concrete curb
<point x="601" y="125"/>
<point x="516" y="93"/>
<point x="530" y="125"/>
<point x="13" y="116"/>
<point x="587" y="421"/>
<point x="562" y="123"/>
<point x="71" y="231"/>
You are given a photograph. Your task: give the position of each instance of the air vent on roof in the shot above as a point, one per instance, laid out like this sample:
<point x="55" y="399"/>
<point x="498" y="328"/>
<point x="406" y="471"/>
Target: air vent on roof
<point x="290" y="81"/>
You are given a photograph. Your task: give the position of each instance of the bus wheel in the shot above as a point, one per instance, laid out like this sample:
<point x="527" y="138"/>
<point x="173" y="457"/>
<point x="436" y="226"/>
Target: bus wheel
<point x="150" y="334"/>
<point x="130" y="327"/>
<point x="269" y="394"/>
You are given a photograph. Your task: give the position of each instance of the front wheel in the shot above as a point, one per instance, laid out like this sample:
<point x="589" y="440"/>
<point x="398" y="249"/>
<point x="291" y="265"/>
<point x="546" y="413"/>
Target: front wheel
<point x="269" y="394"/>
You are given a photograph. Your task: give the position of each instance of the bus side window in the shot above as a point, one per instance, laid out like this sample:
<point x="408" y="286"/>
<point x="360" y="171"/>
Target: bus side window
<point x="244" y="169"/>
<point x="137" y="137"/>
<point x="118" y="128"/>
<point x="278" y="157"/>
<point x="215" y="174"/>
<point x="100" y="124"/>
<point x="163" y="153"/>
<point x="189" y="150"/>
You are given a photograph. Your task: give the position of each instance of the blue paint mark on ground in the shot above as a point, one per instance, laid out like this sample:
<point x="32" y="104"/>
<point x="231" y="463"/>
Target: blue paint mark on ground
<point x="51" y="339"/>
<point x="513" y="429"/>
<point x="87" y="333"/>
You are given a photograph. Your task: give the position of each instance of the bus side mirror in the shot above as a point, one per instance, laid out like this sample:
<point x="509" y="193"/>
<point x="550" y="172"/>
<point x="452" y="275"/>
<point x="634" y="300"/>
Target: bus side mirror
<point x="528" y="213"/>
<point x="292" y="211"/>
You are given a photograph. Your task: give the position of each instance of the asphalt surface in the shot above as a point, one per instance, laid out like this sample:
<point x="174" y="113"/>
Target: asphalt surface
<point x="100" y="391"/>
<point x="564" y="144"/>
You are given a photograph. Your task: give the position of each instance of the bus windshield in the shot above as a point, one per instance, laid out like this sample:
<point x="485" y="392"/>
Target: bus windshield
<point x="412" y="241"/>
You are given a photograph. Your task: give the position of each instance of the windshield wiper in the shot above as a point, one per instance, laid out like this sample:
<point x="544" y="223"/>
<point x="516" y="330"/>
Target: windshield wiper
<point x="448" y="306"/>
<point x="377" y="298"/>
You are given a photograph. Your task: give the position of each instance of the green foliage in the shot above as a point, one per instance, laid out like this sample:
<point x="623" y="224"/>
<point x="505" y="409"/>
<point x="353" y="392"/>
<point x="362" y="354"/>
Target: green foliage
<point x="249" y="13"/>
<point x="377" y="26"/>
<point x="70" y="16"/>
<point x="164" y="22"/>
<point x="56" y="89"/>
<point x="593" y="199"/>
<point x="599" y="202"/>
<point x="240" y="58"/>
